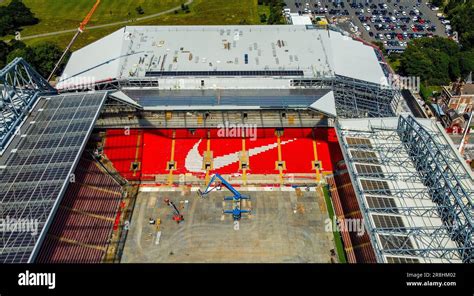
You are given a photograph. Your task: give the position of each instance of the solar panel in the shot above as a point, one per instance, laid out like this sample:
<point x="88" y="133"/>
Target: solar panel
<point x="36" y="173"/>
<point x="385" y="221"/>
<point x="358" y="142"/>
<point x="379" y="187"/>
<point x="376" y="202"/>
<point x="364" y="156"/>
<point x="402" y="260"/>
<point x="365" y="170"/>
<point x="224" y="73"/>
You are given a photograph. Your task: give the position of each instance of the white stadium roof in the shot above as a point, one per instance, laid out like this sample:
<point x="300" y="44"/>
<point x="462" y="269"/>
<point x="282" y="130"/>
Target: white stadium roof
<point x="233" y="51"/>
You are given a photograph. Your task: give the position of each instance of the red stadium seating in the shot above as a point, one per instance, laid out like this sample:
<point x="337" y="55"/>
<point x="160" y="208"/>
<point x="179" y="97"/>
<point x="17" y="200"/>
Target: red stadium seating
<point x="125" y="147"/>
<point x="155" y="151"/>
<point x="83" y="223"/>
<point x="358" y="247"/>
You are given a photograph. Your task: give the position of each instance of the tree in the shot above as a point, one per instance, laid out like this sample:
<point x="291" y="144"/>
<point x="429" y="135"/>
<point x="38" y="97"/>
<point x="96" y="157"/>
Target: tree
<point x="263" y="18"/>
<point x="466" y="62"/>
<point x="437" y="3"/>
<point x="43" y="57"/>
<point x="4" y="50"/>
<point x="14" y="16"/>
<point x="461" y="15"/>
<point x="140" y="10"/>
<point x="6" y="25"/>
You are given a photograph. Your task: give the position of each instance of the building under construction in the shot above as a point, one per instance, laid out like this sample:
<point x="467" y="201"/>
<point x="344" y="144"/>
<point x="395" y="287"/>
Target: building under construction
<point x="301" y="119"/>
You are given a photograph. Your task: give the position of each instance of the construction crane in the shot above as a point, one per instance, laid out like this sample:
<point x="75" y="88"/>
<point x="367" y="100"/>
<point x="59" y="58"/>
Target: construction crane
<point x="176" y="214"/>
<point x="236" y="212"/>
<point x="81" y="28"/>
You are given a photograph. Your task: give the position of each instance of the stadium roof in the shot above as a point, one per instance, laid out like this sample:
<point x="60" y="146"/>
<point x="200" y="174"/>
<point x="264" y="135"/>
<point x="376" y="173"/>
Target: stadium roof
<point x="414" y="189"/>
<point x="321" y="100"/>
<point x="268" y="54"/>
<point x="37" y="166"/>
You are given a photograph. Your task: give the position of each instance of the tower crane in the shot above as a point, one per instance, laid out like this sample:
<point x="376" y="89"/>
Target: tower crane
<point x="81" y="28"/>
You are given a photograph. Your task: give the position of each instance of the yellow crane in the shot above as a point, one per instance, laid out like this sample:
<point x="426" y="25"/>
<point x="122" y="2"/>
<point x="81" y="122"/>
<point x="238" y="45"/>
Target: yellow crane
<point x="81" y="28"/>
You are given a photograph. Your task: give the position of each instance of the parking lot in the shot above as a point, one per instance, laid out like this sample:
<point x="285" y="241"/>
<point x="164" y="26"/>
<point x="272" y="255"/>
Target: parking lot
<point x="392" y="22"/>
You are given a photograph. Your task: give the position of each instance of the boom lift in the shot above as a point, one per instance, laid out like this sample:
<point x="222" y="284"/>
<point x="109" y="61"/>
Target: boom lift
<point x="236" y="212"/>
<point x="81" y="28"/>
<point x="176" y="214"/>
<point x="220" y="180"/>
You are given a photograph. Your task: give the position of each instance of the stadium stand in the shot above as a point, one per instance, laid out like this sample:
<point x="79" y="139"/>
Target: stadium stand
<point x="155" y="149"/>
<point x="83" y="223"/>
<point x="357" y="247"/>
<point x="125" y="148"/>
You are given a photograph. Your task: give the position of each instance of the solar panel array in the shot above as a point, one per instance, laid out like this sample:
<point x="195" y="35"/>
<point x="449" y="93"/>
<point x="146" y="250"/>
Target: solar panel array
<point x="37" y="170"/>
<point x="263" y="102"/>
<point x="225" y="73"/>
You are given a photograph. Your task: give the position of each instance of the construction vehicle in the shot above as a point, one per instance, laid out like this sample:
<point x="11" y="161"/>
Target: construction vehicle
<point x="81" y="28"/>
<point x="176" y="214"/>
<point x="221" y="181"/>
<point x="236" y="199"/>
<point x="236" y="213"/>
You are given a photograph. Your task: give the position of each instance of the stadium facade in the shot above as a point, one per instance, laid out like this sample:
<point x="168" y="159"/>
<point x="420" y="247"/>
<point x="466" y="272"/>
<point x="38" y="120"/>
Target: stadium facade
<point x="413" y="189"/>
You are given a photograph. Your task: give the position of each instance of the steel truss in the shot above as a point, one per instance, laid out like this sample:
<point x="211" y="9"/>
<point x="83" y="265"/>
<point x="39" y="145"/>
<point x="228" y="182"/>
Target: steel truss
<point x="420" y="168"/>
<point x="20" y="87"/>
<point x="354" y="98"/>
<point x="440" y="173"/>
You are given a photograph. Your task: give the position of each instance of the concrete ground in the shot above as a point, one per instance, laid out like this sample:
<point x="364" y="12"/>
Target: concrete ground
<point x="283" y="227"/>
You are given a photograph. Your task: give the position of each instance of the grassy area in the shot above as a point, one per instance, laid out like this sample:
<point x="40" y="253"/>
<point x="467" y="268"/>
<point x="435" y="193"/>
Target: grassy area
<point x="337" y="236"/>
<point x="202" y="12"/>
<point x="426" y="92"/>
<point x="57" y="15"/>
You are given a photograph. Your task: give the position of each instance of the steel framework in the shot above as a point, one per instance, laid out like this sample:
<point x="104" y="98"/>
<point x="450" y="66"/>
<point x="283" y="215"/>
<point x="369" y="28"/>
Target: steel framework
<point x="354" y="98"/>
<point x="20" y="87"/>
<point x="443" y="175"/>
<point x="420" y="187"/>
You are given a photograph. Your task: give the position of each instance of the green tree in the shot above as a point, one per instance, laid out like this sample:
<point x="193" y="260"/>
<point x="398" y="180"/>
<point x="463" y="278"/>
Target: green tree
<point x="139" y="10"/>
<point x="466" y="62"/>
<point x="4" y="50"/>
<point x="43" y="57"/>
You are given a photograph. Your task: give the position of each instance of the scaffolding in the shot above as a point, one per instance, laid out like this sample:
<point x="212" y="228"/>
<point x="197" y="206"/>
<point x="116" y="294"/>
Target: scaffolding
<point x="414" y="192"/>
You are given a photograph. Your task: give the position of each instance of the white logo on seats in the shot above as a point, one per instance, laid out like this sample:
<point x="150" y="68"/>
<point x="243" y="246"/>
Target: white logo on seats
<point x="193" y="162"/>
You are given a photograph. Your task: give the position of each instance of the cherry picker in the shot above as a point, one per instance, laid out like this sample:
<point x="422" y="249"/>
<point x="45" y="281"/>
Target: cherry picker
<point x="236" y="199"/>
<point x="176" y="214"/>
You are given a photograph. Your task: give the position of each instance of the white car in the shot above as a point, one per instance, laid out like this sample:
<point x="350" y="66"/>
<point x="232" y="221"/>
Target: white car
<point x="368" y="10"/>
<point x="367" y="27"/>
<point x="404" y="13"/>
